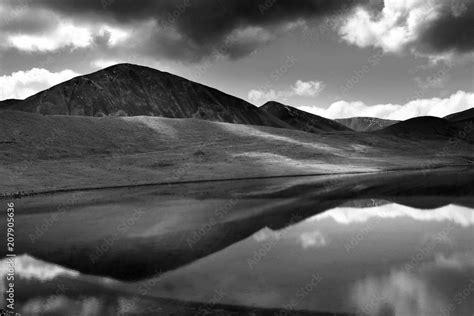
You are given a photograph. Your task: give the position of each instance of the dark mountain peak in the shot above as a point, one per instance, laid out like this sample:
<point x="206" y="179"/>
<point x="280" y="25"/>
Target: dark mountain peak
<point x="134" y="90"/>
<point x="300" y="119"/>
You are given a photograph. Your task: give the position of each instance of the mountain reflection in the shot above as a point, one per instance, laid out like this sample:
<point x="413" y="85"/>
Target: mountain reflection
<point x="385" y="259"/>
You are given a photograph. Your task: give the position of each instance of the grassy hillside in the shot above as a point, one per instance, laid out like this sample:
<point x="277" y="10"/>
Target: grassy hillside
<point x="40" y="153"/>
<point x="467" y="115"/>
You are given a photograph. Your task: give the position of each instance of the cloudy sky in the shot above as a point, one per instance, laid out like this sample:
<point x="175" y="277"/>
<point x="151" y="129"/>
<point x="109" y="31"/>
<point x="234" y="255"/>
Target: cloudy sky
<point x="337" y="58"/>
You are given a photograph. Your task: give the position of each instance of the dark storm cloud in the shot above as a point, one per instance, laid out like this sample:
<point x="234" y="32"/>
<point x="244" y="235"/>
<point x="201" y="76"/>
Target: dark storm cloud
<point x="453" y="30"/>
<point x="202" y="26"/>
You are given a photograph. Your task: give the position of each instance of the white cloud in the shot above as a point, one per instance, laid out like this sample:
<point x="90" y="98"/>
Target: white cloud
<point x="64" y="35"/>
<point x="22" y="84"/>
<point x="308" y="88"/>
<point x="459" y="215"/>
<point x="300" y="88"/>
<point x="398" y="25"/>
<point x="457" y="102"/>
<point x="49" y="31"/>
<point x="262" y="96"/>
<point x="117" y="35"/>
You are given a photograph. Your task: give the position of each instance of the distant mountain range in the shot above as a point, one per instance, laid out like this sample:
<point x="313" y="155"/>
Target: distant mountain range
<point x="132" y="90"/>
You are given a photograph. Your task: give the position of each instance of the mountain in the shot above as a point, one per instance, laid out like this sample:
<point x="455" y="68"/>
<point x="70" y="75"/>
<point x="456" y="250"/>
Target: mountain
<point x="464" y="121"/>
<point x="132" y="90"/>
<point x="366" y="124"/>
<point x="422" y="127"/>
<point x="463" y="116"/>
<point x="8" y="103"/>
<point x="302" y="120"/>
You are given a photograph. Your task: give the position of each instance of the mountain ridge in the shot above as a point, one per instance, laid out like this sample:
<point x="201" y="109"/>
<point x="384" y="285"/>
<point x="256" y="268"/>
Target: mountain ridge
<point x="302" y="120"/>
<point x="127" y="89"/>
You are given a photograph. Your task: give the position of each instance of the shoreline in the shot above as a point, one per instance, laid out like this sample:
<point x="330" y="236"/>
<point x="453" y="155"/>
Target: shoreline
<point x="23" y="194"/>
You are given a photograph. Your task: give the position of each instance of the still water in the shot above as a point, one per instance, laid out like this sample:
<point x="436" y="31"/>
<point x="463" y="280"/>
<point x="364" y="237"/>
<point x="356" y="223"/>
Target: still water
<point x="366" y="257"/>
<point x="386" y="259"/>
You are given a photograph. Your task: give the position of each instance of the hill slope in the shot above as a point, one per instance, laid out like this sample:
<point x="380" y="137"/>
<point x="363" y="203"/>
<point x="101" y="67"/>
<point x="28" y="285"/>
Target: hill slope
<point x="40" y="152"/>
<point x="8" y="103"/>
<point x="302" y="120"/>
<point x="467" y="115"/>
<point x="365" y="124"/>
<point x="423" y="127"/>
<point x="126" y="89"/>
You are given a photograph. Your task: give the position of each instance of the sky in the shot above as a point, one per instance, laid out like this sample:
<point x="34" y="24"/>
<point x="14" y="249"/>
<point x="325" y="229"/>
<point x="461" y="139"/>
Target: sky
<point x="392" y="59"/>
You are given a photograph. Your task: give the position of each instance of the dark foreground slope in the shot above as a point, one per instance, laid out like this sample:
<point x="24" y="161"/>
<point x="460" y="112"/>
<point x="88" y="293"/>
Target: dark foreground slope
<point x="365" y="124"/>
<point x="302" y="120"/>
<point x="132" y="90"/>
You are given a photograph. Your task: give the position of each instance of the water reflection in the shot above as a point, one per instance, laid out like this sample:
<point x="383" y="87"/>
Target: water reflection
<point x="385" y="259"/>
<point x="389" y="259"/>
<point x="443" y="286"/>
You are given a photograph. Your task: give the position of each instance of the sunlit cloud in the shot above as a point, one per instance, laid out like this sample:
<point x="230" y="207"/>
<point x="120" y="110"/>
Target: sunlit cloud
<point x="65" y="35"/>
<point x="300" y="88"/>
<point x="439" y="107"/>
<point x="22" y="84"/>
<point x="423" y="27"/>
<point x="459" y="215"/>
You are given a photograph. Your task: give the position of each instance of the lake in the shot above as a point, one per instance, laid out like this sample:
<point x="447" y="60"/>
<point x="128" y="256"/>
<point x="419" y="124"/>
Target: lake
<point x="397" y="243"/>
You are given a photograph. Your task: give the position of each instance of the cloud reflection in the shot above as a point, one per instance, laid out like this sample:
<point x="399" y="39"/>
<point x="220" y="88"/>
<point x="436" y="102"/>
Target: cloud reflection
<point x="28" y="267"/>
<point x="313" y="239"/>
<point x="349" y="215"/>
<point x="442" y="287"/>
